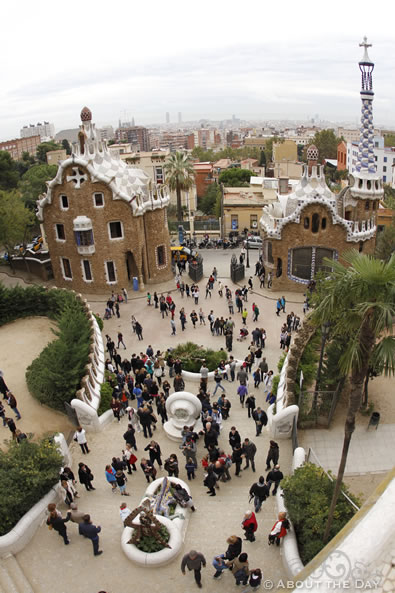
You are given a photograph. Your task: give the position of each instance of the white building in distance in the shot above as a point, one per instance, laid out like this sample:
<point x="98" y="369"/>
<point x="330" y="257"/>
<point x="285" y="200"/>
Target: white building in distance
<point x="45" y="130"/>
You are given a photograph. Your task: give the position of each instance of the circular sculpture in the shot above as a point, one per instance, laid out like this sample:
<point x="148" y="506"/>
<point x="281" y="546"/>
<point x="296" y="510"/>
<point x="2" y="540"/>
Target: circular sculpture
<point x="183" y="409"/>
<point x="86" y="114"/>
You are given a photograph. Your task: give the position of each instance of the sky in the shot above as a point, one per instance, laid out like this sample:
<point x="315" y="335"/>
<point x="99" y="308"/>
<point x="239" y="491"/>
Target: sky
<point x="259" y="60"/>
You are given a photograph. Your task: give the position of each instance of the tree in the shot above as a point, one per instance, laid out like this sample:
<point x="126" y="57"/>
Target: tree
<point x="209" y="200"/>
<point x="66" y="146"/>
<point x="45" y="147"/>
<point x="385" y="242"/>
<point x="236" y="177"/>
<point x="8" y="171"/>
<point x="180" y="176"/>
<point x="34" y="183"/>
<point x="358" y="301"/>
<point x="25" y="163"/>
<point x="389" y="140"/>
<point x="389" y="196"/>
<point x="326" y="141"/>
<point x="15" y="221"/>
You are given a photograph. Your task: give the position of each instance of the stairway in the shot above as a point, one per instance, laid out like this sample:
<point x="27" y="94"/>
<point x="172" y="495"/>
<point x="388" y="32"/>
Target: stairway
<point x="12" y="578"/>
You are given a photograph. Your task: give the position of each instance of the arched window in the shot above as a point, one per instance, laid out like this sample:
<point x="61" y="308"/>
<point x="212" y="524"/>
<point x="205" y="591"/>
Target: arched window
<point x="323" y="223"/>
<point x="367" y="205"/>
<point x="279" y="269"/>
<point x="369" y="184"/>
<point x="306" y="222"/>
<point x="360" y="247"/>
<point x="315" y="223"/>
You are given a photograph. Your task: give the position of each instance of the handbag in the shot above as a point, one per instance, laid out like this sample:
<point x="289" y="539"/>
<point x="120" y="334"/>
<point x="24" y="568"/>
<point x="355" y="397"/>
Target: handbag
<point x="91" y="477"/>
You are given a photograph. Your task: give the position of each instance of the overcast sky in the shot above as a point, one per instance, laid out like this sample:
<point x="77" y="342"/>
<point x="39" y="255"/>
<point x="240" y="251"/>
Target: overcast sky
<point x="208" y="59"/>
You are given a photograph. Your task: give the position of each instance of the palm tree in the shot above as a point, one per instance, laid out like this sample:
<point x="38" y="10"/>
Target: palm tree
<point x="358" y="300"/>
<point x="179" y="176"/>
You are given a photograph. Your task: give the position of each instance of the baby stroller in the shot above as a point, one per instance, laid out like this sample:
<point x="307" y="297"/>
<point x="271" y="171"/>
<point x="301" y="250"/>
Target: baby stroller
<point x="243" y="334"/>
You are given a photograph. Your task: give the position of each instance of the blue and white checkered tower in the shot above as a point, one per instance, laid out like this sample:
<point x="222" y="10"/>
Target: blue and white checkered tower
<point x="365" y="165"/>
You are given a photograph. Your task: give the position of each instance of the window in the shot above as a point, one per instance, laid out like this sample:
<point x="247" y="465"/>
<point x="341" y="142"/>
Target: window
<point x="234" y="222"/>
<point x="305" y="262"/>
<point x="315" y="223"/>
<point x="98" y="200"/>
<point x="319" y="264"/>
<point x="323" y="223"/>
<point x="161" y="253"/>
<point x="116" y="231"/>
<point x="279" y="269"/>
<point x="60" y="235"/>
<point x="159" y="175"/>
<point x="86" y="270"/>
<point x="64" y="202"/>
<point x="385" y="159"/>
<point x="253" y="221"/>
<point x="84" y="238"/>
<point x="374" y="206"/>
<point x="66" y="267"/>
<point x="384" y="178"/>
<point x="385" y="169"/>
<point x="360" y="248"/>
<point x="110" y="272"/>
<point x="306" y="222"/>
<point x="367" y="205"/>
<point x="301" y="262"/>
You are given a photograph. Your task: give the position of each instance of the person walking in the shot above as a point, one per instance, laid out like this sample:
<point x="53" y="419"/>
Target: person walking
<point x="242" y="391"/>
<point x="235" y="545"/>
<point x="173" y="327"/>
<point x="250" y="403"/>
<point x="282" y="302"/>
<point x="237" y="458"/>
<point x="3" y="386"/>
<point x="11" y="400"/>
<point x="76" y="516"/>
<point x="259" y="491"/>
<point x="272" y="455"/>
<point x="260" y="418"/>
<point x="110" y="477"/>
<point x="249" y="452"/>
<point x="139" y="331"/>
<point x="55" y="521"/>
<point x="2" y="414"/>
<point x="12" y="426"/>
<point x="244" y="316"/>
<point x="85" y="476"/>
<point x="219" y="565"/>
<point x="80" y="438"/>
<point x="87" y="529"/>
<point x="129" y="436"/>
<point x="274" y="477"/>
<point x="129" y="457"/>
<point x="194" y="561"/>
<point x="239" y="569"/>
<point x="148" y="469"/>
<point x="120" y="340"/>
<point x="218" y="379"/>
<point x="121" y="481"/>
<point x="125" y="295"/>
<point x="250" y="525"/>
<point x="154" y="452"/>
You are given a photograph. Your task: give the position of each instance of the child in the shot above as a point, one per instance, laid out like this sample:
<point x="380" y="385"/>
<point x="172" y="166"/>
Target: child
<point x="190" y="466"/>
<point x="121" y="481"/>
<point x="255" y="578"/>
<point x="149" y="299"/>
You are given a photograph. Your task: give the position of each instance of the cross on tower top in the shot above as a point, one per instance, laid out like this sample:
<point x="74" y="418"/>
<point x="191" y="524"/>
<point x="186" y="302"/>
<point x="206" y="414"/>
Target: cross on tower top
<point x="365" y="45"/>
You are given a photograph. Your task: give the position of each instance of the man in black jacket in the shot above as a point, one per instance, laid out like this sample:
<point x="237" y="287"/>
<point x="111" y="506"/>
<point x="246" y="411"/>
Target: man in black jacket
<point x="274" y="477"/>
<point x="249" y="451"/>
<point x="129" y="437"/>
<point x="234" y="437"/>
<point x="87" y="529"/>
<point x="260" y="418"/>
<point x="260" y="492"/>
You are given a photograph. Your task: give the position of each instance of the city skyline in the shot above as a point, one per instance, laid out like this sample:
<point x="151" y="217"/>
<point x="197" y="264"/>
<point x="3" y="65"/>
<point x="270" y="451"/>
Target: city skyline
<point x="306" y="64"/>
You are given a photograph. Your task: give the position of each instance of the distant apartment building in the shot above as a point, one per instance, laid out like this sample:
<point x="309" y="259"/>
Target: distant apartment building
<point x="204" y="176"/>
<point x="44" y="130"/>
<point x="256" y="141"/>
<point x="106" y="133"/>
<point x="137" y="136"/>
<point x="384" y="158"/>
<point x="285" y="151"/>
<point x="54" y="157"/>
<point x="177" y="140"/>
<point x="18" y="146"/>
<point x="342" y="156"/>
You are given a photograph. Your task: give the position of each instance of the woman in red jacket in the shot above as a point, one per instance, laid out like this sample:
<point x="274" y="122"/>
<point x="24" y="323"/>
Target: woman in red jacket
<point x="249" y="525"/>
<point x="279" y="529"/>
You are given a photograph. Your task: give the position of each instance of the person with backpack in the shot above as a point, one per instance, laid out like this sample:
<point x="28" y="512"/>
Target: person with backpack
<point x="274" y="477"/>
<point x="259" y="491"/>
<point x="279" y="529"/>
<point x="11" y="399"/>
<point x="272" y="455"/>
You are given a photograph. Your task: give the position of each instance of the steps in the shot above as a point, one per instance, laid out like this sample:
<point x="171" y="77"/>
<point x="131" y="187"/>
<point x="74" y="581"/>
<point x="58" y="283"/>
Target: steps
<point x="12" y="578"/>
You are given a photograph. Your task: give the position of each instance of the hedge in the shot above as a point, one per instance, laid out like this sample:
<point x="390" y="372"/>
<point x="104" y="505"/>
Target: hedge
<point x="192" y="356"/>
<point x="27" y="472"/>
<point x="307" y="497"/>
<point x="55" y="376"/>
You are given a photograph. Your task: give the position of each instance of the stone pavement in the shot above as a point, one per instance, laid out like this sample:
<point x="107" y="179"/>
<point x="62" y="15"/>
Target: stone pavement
<point x="371" y="451"/>
<point x="52" y="567"/>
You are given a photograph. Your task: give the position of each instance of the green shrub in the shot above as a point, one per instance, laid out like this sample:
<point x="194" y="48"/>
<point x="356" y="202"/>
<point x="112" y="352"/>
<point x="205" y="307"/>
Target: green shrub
<point x="99" y="321"/>
<point x="27" y="472"/>
<point x="308" y="363"/>
<point x="192" y="356"/>
<point x="275" y="382"/>
<point x="150" y="545"/>
<point x="105" y="397"/>
<point x="54" y="377"/>
<point x="307" y="496"/>
<point x="280" y="363"/>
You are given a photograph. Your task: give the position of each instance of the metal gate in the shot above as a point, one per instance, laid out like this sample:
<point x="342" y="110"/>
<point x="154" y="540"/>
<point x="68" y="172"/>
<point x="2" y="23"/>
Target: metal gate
<point x="71" y="414"/>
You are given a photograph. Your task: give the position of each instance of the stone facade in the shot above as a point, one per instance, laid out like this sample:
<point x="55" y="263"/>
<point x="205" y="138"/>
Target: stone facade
<point x="104" y="222"/>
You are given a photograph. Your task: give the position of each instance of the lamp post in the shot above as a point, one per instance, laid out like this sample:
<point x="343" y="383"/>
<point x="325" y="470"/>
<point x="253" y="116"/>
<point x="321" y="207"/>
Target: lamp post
<point x="248" y="254"/>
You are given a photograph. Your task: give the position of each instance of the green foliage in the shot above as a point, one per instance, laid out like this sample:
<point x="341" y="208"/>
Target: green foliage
<point x="34" y="183"/>
<point x="307" y="496"/>
<point x="99" y="321"/>
<point x="180" y="175"/>
<point x="45" y="147"/>
<point x="66" y="146"/>
<point x="269" y="147"/>
<point x="105" y="397"/>
<point x="326" y="141"/>
<point x="385" y="242"/>
<point x="281" y="361"/>
<point x="235" y="154"/>
<point x="193" y="355"/>
<point x="27" y="472"/>
<point x="389" y="140"/>
<point x="54" y="377"/>
<point x="149" y="543"/>
<point x="275" y="382"/>
<point x="236" y="177"/>
<point x="308" y="363"/>
<point x="330" y="375"/>
<point x="8" y="172"/>
<point x="389" y="196"/>
<point x="15" y="220"/>
<point x="208" y="202"/>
